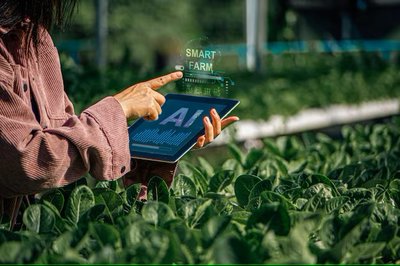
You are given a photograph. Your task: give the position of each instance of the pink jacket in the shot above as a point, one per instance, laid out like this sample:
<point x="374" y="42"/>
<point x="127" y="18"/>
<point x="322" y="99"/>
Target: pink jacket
<point x="43" y="143"/>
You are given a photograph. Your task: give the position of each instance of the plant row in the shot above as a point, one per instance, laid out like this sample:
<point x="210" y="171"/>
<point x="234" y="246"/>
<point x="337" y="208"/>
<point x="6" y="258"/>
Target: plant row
<point x="304" y="199"/>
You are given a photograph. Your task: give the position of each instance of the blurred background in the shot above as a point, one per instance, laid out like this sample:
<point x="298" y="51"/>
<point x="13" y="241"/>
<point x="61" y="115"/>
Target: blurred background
<point x="285" y="56"/>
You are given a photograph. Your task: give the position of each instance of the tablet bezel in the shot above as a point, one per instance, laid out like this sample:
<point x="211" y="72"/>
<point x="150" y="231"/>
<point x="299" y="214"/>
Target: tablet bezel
<point x="229" y="103"/>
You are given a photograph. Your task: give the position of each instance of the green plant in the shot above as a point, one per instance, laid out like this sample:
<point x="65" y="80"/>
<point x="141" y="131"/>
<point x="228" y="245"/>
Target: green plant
<point x="307" y="199"/>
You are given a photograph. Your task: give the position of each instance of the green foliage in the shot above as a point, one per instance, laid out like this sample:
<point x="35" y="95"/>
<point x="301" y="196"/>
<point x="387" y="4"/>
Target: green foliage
<point x="307" y="199"/>
<point x="292" y="83"/>
<point x="143" y="31"/>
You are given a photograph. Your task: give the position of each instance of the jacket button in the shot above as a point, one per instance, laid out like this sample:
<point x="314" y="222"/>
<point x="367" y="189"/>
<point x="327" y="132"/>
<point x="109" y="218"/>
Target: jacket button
<point x="123" y="168"/>
<point x="25" y="87"/>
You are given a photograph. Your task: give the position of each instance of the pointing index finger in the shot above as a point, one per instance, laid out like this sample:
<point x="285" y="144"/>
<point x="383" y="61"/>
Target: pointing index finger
<point x="163" y="80"/>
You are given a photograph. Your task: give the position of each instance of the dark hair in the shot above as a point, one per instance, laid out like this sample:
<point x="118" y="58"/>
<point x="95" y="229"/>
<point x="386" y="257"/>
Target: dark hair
<point x="45" y="13"/>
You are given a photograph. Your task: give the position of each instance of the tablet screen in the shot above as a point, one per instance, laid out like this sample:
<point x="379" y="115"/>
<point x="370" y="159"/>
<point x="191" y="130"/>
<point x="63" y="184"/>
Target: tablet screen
<point x="177" y="128"/>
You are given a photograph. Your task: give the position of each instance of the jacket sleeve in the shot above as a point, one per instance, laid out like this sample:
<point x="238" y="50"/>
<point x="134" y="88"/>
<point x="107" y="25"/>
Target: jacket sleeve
<point x="33" y="159"/>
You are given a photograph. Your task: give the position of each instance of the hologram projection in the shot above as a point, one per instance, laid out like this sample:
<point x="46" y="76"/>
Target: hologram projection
<point x="199" y="74"/>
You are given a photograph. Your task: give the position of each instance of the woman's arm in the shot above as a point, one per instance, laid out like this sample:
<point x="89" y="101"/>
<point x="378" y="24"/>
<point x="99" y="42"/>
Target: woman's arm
<point x="34" y="158"/>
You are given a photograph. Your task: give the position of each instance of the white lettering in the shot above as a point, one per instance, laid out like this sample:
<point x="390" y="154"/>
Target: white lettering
<point x="201" y="66"/>
<point x="188" y="52"/>
<point x="193" y="118"/>
<point x="198" y="53"/>
<point x="176" y="118"/>
<point x="179" y="116"/>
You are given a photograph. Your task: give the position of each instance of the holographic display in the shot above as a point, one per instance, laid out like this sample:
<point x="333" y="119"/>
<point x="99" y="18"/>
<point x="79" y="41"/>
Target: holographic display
<point x="200" y="76"/>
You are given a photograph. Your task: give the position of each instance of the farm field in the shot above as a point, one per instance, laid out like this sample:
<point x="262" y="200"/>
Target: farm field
<point x="306" y="199"/>
<point x="309" y="175"/>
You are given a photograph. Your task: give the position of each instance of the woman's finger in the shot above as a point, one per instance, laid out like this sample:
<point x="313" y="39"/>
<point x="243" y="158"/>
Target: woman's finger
<point x="153" y="112"/>
<point x="200" y="142"/>
<point x="229" y="120"/>
<point x="158" y="107"/>
<point x="158" y="97"/>
<point x="209" y="129"/>
<point x="161" y="81"/>
<point x="216" y="122"/>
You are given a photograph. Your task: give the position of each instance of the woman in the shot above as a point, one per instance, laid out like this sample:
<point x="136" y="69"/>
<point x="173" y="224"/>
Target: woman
<point x="43" y="144"/>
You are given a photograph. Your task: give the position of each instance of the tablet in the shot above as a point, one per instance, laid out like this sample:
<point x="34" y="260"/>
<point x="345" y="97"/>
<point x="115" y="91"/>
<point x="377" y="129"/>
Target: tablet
<point x="177" y="129"/>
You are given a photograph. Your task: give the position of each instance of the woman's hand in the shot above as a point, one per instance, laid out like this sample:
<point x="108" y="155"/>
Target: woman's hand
<point x="213" y="128"/>
<point x="143" y="100"/>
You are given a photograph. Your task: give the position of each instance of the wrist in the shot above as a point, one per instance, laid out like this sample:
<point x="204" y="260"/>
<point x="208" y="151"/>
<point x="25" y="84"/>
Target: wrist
<point x="121" y="103"/>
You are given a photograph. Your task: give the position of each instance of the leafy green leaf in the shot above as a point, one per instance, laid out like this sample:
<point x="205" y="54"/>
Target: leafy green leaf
<point x="196" y="175"/>
<point x="158" y="247"/>
<point x="107" y="197"/>
<point x="54" y="197"/>
<point x="270" y="196"/>
<point x="206" y="166"/>
<point x="221" y="180"/>
<point x="241" y="216"/>
<point x="80" y="201"/>
<point x="157" y="213"/>
<point x="107" y="184"/>
<point x="317" y="178"/>
<point x="131" y="194"/>
<point x="15" y="252"/>
<point x="106" y="235"/>
<point x="336" y="203"/>
<point x="232" y="250"/>
<point x="274" y="216"/>
<point x="134" y="233"/>
<point x="60" y="225"/>
<point x="281" y="166"/>
<point x="196" y="212"/>
<point x="93" y="214"/>
<point x="232" y="164"/>
<point x="213" y="228"/>
<point x="271" y="147"/>
<point x="39" y="218"/>
<point x="243" y="186"/>
<point x="236" y="153"/>
<point x="105" y="256"/>
<point x="184" y="186"/>
<point x="110" y="199"/>
<point x="6" y="236"/>
<point x="297" y="167"/>
<point x="260" y="187"/>
<point x="158" y="190"/>
<point x="252" y="158"/>
<point x="363" y="251"/>
<point x="63" y="242"/>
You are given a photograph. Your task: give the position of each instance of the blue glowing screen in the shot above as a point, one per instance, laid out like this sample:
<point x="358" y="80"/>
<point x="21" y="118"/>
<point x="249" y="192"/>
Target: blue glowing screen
<point x="177" y="128"/>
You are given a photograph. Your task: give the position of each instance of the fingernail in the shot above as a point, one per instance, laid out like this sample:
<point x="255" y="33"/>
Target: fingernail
<point x="179" y="74"/>
<point x="214" y="111"/>
<point x="207" y="119"/>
